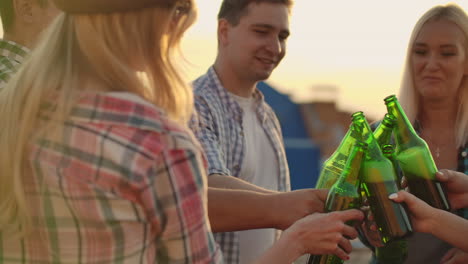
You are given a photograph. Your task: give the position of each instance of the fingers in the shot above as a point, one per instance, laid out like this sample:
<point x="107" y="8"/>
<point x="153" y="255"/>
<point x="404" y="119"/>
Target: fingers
<point x="345" y="245"/>
<point x="350" y="232"/>
<point x="404" y="196"/>
<point x="321" y="194"/>
<point x="442" y="175"/>
<point x="449" y="255"/>
<point x="339" y="252"/>
<point x="351" y="214"/>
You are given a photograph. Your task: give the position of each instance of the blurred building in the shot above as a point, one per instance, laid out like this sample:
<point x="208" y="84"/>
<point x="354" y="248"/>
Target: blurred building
<point x="302" y="152"/>
<point x="311" y="131"/>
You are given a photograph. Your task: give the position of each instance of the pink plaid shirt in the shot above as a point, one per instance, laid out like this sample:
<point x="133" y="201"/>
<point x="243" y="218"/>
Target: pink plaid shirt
<point x="125" y="185"/>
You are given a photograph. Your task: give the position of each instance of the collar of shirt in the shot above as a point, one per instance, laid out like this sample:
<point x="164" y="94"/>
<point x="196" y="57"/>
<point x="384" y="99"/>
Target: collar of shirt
<point x="116" y="108"/>
<point x="13" y="50"/>
<point x="229" y="101"/>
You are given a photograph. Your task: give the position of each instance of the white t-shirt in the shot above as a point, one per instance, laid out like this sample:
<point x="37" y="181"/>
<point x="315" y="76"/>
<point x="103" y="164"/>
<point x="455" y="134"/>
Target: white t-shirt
<point x="259" y="167"/>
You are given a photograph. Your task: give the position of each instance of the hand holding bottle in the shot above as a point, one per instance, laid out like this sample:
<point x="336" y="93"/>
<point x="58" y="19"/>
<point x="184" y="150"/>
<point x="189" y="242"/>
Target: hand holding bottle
<point x="456" y="184"/>
<point x="442" y="224"/>
<point x="423" y="216"/>
<point x="321" y="234"/>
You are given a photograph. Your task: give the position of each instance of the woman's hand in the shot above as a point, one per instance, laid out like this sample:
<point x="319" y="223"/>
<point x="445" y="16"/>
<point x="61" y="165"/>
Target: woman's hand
<point x="423" y="216"/>
<point x="456" y="184"/>
<point x="321" y="234"/>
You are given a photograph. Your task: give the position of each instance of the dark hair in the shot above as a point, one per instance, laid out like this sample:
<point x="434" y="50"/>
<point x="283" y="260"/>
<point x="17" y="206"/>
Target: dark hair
<point x="7" y="12"/>
<point x="233" y="10"/>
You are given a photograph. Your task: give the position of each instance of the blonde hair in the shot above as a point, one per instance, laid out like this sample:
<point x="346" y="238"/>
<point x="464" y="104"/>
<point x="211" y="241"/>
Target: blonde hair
<point x="408" y="96"/>
<point x="112" y="48"/>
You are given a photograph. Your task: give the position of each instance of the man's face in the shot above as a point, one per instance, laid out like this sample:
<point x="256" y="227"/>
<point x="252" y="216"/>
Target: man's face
<point x="257" y="44"/>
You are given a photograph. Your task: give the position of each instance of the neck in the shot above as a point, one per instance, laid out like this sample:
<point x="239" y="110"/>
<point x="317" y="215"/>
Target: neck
<point x="438" y="117"/>
<point x="233" y="81"/>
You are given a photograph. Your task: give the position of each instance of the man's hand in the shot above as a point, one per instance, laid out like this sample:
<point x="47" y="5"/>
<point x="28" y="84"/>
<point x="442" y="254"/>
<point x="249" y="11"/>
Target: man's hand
<point x="288" y="207"/>
<point x="321" y="234"/>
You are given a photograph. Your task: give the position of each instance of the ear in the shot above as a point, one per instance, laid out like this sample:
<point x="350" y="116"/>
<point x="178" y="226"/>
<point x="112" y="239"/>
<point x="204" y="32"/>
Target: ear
<point x="223" y="32"/>
<point x="24" y="10"/>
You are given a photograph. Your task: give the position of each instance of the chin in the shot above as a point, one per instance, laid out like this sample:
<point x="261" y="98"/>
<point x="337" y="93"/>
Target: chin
<point x="261" y="76"/>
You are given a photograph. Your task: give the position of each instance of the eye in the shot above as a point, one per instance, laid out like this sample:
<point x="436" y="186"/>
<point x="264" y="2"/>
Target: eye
<point x="283" y="36"/>
<point x="260" y="31"/>
<point x="420" y="52"/>
<point x="448" y="53"/>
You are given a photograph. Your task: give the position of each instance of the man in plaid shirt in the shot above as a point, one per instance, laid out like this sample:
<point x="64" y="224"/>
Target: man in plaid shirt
<point x="241" y="135"/>
<point x="22" y="21"/>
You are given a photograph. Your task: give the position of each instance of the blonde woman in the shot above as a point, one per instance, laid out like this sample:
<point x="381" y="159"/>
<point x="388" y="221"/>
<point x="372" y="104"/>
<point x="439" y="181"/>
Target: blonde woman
<point x="97" y="165"/>
<point x="434" y="94"/>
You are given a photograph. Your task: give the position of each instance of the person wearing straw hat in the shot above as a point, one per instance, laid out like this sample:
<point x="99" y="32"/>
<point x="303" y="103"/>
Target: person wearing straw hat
<point x="97" y="162"/>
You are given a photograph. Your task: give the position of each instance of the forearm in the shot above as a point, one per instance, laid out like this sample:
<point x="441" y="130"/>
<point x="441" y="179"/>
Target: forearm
<point x="234" y="210"/>
<point x="231" y="182"/>
<point x="452" y="229"/>
<point x="283" y="251"/>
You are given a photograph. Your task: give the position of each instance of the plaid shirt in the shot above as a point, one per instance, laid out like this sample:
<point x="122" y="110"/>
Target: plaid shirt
<point x="126" y="185"/>
<point x="11" y="56"/>
<point x="218" y="127"/>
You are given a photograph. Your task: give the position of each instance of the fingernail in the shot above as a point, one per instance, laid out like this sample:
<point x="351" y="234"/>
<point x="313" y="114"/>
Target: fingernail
<point x="393" y="196"/>
<point x="439" y="173"/>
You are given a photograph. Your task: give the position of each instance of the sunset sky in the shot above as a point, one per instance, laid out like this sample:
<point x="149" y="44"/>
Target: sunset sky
<point x="356" y="46"/>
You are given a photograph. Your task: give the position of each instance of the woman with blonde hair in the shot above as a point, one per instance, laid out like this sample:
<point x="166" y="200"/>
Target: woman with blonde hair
<point x="434" y="95"/>
<point x="97" y="163"/>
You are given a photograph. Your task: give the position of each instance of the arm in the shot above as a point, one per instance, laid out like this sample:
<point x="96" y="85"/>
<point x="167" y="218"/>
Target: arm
<point x="316" y="234"/>
<point x="233" y="210"/>
<point x="231" y="182"/>
<point x="175" y="204"/>
<point x="444" y="225"/>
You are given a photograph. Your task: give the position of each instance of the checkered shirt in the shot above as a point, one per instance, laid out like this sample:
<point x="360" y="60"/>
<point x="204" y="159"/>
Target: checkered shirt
<point x="218" y="127"/>
<point x="11" y="56"/>
<point x="126" y="185"/>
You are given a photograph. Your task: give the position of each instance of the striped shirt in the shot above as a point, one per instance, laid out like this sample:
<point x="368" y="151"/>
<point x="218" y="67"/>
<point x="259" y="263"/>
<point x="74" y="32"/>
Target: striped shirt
<point x="11" y="56"/>
<point x="125" y="185"/>
<point x="218" y="127"/>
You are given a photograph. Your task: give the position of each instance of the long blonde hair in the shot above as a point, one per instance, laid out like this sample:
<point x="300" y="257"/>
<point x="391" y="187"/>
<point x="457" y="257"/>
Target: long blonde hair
<point x="114" y="48"/>
<point x="408" y="96"/>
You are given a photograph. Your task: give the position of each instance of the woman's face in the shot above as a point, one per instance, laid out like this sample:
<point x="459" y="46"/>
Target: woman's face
<point x="438" y="60"/>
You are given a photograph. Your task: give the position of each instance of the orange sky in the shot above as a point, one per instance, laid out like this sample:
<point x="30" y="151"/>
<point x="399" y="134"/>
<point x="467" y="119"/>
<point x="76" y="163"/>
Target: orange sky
<point x="357" y="46"/>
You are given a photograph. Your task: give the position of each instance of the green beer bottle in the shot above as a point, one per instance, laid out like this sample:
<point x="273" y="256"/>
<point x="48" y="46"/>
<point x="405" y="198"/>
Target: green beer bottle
<point x="415" y="159"/>
<point x="389" y="152"/>
<point x="334" y="165"/>
<point x="383" y="133"/>
<point x="344" y="194"/>
<point x="394" y="252"/>
<point x="378" y="182"/>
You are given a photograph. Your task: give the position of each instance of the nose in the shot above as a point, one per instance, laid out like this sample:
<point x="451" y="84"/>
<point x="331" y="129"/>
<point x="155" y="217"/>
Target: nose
<point x="275" y="46"/>
<point x="432" y="62"/>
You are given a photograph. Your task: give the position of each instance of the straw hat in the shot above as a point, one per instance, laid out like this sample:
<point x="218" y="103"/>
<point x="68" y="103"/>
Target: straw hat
<point x="107" y="6"/>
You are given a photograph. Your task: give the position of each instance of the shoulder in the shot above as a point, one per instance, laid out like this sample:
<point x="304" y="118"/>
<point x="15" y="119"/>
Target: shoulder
<point x="133" y="121"/>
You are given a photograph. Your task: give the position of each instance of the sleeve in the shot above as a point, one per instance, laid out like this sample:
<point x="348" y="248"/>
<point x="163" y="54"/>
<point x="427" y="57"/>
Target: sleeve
<point x="206" y="130"/>
<point x="176" y="206"/>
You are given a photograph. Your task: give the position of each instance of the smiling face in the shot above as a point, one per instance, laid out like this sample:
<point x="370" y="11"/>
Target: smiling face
<point x="257" y="44"/>
<point x="438" y="60"/>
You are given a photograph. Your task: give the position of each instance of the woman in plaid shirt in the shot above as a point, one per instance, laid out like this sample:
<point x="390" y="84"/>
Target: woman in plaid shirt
<point x="97" y="163"/>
